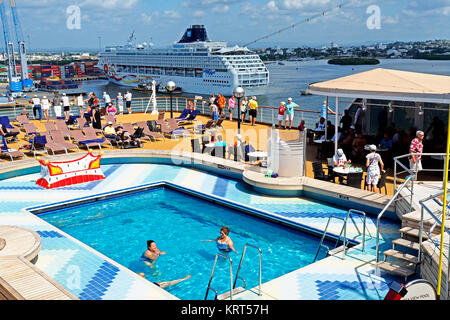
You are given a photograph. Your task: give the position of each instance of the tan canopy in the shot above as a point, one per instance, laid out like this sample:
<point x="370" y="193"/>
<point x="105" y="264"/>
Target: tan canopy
<point x="387" y="84"/>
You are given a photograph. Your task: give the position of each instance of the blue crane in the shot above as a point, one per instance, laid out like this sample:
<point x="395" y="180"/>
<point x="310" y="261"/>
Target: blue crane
<point x="9" y="46"/>
<point x="27" y="83"/>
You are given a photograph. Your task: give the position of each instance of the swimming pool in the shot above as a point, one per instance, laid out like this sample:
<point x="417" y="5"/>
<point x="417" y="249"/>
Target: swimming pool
<point x="120" y="227"/>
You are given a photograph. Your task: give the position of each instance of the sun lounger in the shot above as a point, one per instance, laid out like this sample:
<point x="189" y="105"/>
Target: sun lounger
<point x="30" y="129"/>
<point x="148" y="133"/>
<point x="22" y="118"/>
<point x="191" y="117"/>
<point x="62" y="126"/>
<point x="82" y="140"/>
<point x="203" y="127"/>
<point x="173" y="133"/>
<point x="184" y="115"/>
<point x="173" y="124"/>
<point x="5" y="151"/>
<point x="59" y="139"/>
<point x="91" y="134"/>
<point x="11" y="131"/>
<point x="50" y="126"/>
<point x="49" y="145"/>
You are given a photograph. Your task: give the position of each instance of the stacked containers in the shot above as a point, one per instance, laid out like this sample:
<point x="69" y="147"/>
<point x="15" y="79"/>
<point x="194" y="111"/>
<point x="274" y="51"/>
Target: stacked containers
<point x="56" y="72"/>
<point x="46" y="71"/>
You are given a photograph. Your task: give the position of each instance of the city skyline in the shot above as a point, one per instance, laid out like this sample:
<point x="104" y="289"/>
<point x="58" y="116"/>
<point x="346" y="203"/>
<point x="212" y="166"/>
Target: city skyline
<point x="55" y="24"/>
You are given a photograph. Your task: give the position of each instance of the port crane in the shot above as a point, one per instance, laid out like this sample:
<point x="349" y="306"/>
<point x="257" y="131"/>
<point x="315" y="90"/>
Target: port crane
<point x="17" y="83"/>
<point x="27" y="83"/>
<point x="9" y="46"/>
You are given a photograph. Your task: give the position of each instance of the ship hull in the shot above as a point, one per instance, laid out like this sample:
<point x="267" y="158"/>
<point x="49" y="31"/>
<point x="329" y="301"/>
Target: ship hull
<point x="187" y="84"/>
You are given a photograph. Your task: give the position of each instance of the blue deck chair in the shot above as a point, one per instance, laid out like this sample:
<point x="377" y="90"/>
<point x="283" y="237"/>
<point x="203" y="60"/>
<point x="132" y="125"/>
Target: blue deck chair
<point x="12" y="153"/>
<point x="191" y="117"/>
<point x="11" y="131"/>
<point x="184" y="115"/>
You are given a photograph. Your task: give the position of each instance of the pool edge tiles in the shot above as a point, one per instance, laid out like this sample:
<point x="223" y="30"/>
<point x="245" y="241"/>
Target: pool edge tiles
<point x="193" y="173"/>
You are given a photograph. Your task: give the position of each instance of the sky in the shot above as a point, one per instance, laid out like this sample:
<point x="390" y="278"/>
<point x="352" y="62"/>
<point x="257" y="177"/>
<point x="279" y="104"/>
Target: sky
<point x="96" y="23"/>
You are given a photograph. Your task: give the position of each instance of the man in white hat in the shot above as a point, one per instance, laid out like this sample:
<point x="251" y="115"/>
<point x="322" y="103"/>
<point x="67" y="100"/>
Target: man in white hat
<point x="36" y="107"/>
<point x="45" y="107"/>
<point x="253" y="110"/>
<point x="290" y="106"/>
<point x="340" y="160"/>
<point x="110" y="132"/>
<point x="373" y="164"/>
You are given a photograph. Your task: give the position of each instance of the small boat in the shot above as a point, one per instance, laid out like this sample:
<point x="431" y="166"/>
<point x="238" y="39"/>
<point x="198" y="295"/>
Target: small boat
<point x="305" y="92"/>
<point x="145" y="87"/>
<point x="281" y="63"/>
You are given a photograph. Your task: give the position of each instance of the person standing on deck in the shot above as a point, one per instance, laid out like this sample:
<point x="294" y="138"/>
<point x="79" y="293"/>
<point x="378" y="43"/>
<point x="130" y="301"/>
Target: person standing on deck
<point x="128" y="97"/>
<point x="45" y="107"/>
<point x="281" y="114"/>
<point x="231" y="105"/>
<point x="221" y="102"/>
<point x="107" y="99"/>
<point x="416" y="150"/>
<point x="37" y="107"/>
<point x="373" y="164"/>
<point x="290" y="113"/>
<point x="325" y="109"/>
<point x="57" y="105"/>
<point x="244" y="105"/>
<point x="66" y="106"/>
<point x="253" y="110"/>
<point x="212" y="101"/>
<point x="80" y="104"/>
<point x="119" y="100"/>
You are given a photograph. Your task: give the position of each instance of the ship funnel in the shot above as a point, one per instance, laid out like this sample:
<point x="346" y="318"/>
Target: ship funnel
<point x="194" y="33"/>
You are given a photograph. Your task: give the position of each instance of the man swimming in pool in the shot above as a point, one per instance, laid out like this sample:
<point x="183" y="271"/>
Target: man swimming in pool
<point x="224" y="242"/>
<point x="151" y="254"/>
<point x="165" y="284"/>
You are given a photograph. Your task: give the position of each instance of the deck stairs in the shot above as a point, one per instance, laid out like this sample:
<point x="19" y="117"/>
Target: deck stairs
<point x="403" y="259"/>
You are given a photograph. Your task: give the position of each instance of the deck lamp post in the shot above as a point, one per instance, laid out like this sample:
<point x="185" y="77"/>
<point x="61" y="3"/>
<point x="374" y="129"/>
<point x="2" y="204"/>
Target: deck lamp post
<point x="239" y="93"/>
<point x="170" y="87"/>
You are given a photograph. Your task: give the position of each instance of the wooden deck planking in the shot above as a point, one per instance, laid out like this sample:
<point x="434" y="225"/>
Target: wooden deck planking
<point x="29" y="282"/>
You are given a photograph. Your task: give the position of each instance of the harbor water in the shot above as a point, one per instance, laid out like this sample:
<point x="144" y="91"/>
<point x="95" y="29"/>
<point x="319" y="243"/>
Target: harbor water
<point x="289" y="79"/>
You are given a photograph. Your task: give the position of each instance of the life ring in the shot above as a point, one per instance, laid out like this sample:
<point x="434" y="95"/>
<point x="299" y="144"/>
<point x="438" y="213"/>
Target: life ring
<point x="105" y="68"/>
<point x="190" y="105"/>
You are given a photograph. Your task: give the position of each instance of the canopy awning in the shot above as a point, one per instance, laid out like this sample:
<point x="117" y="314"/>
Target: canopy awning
<point x="387" y="84"/>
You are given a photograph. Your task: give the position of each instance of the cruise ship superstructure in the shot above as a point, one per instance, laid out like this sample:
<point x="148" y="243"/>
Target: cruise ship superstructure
<point x="194" y="63"/>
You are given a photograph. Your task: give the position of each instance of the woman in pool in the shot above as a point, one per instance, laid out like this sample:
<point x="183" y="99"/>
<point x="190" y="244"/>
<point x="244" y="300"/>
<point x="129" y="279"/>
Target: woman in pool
<point x="224" y="242"/>
<point x="152" y="253"/>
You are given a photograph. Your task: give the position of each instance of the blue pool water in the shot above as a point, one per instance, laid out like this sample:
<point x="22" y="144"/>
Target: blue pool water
<point x="120" y="227"/>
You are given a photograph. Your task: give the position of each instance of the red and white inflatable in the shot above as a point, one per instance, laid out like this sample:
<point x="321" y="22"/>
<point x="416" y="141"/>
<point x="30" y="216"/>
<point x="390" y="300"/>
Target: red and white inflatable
<point x="61" y="174"/>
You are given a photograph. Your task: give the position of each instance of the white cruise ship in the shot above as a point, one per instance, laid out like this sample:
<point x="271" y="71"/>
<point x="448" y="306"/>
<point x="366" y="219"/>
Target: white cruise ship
<point x="194" y="63"/>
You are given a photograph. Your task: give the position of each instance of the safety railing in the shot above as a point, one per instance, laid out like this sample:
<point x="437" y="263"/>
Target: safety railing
<point x="240" y="265"/>
<point x="212" y="275"/>
<point x="343" y="233"/>
<point x="409" y="179"/>
<point x="429" y="233"/>
<point x="266" y="114"/>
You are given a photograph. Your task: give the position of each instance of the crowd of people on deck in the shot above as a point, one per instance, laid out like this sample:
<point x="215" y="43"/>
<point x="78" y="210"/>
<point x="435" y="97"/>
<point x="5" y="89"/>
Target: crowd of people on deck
<point x="87" y="106"/>
<point x="376" y="152"/>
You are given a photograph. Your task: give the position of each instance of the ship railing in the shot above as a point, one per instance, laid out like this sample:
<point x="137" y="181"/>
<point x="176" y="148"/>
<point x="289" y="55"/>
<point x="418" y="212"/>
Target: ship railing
<point x="266" y="114"/>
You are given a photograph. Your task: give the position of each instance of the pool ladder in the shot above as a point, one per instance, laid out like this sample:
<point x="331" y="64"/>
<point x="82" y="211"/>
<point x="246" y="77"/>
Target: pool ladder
<point x="233" y="289"/>
<point x="344" y="231"/>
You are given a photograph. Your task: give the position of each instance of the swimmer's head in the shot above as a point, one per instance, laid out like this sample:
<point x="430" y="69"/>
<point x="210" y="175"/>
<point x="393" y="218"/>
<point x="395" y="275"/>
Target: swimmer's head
<point x="149" y="243"/>
<point x="225" y="230"/>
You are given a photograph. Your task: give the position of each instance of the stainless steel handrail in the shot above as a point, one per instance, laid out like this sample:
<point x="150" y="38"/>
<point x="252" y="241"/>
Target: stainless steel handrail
<point x="212" y="275"/>
<point x="429" y="233"/>
<point x="408" y="178"/>
<point x="321" y="245"/>
<point x="240" y="265"/>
